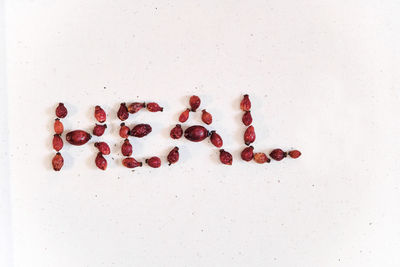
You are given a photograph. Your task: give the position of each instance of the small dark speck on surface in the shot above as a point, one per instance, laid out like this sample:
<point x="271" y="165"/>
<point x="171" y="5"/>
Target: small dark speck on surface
<point x="118" y="177"/>
<point x="95" y="195"/>
<point x="105" y="87"/>
<point x="370" y="223"/>
<point x="133" y="170"/>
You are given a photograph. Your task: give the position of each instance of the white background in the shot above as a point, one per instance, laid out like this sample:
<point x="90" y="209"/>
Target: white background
<point x="323" y="77"/>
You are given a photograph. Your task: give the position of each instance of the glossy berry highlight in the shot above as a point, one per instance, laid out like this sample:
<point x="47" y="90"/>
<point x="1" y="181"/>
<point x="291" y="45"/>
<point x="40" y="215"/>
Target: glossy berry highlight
<point x="216" y="139"/>
<point x="249" y="135"/>
<point x="278" y="154"/>
<point x="247" y="154"/>
<point x="154" y="107"/>
<point x="173" y="156"/>
<point x="194" y="102"/>
<point x="78" y="137"/>
<point x="225" y="157"/>
<point x="154" y="162"/>
<point x="141" y="130"/>
<point x="196" y="133"/>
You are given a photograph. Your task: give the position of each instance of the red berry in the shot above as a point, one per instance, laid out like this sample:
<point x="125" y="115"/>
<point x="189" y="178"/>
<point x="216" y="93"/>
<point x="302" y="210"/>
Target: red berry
<point x="249" y="135"/>
<point x="294" y="154"/>
<point x="57" y="162"/>
<point x="98" y="130"/>
<point x="247" y="153"/>
<point x="135" y="107"/>
<point x="102" y="147"/>
<point x="58" y="126"/>
<point x="206" y="117"/>
<point x="131" y="163"/>
<point x="123" y="112"/>
<point x="173" y="155"/>
<point x="247" y="119"/>
<point x="245" y="104"/>
<point x="194" y="102"/>
<point x="126" y="148"/>
<point x="57" y="142"/>
<point x="154" y="162"/>
<point x="216" y="139"/>
<point x="101" y="162"/>
<point x="196" y="133"/>
<point x="141" y="130"/>
<point x="261" y="158"/>
<point x="100" y="114"/>
<point x="154" y="107"/>
<point x="278" y="154"/>
<point x="124" y="131"/>
<point x="78" y="137"/>
<point x="61" y="111"/>
<point x="225" y="157"/>
<point x="176" y="132"/>
<point x="184" y="115"/>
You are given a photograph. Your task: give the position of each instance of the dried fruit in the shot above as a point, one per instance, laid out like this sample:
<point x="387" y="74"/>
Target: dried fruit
<point x="245" y="104"/>
<point x="173" y="155"/>
<point x="194" y="102"/>
<point x="61" y="111"/>
<point x="196" y="133"/>
<point x="176" y="132"/>
<point x="100" y="114"/>
<point x="225" y="157"/>
<point x="153" y="107"/>
<point x="99" y="129"/>
<point x="135" y="107"/>
<point x="278" y="154"/>
<point x="58" y="126"/>
<point x="249" y="135"/>
<point x="216" y="139"/>
<point x="261" y="158"/>
<point x="101" y="162"/>
<point x="294" y="154"/>
<point x="154" y="162"/>
<point x="141" y="130"/>
<point x="102" y="147"/>
<point x="57" y="142"/>
<point x="78" y="137"/>
<point x="206" y="117"/>
<point x="124" y="131"/>
<point x="247" y="153"/>
<point x="184" y="115"/>
<point x="58" y="161"/>
<point x="247" y="119"/>
<point x="123" y="112"/>
<point x="131" y="163"/>
<point x="126" y="148"/>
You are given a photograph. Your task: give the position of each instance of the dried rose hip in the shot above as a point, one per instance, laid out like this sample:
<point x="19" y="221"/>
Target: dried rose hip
<point x="294" y="154"/>
<point x="154" y="162"/>
<point x="225" y="157"/>
<point x="247" y="119"/>
<point x="135" y="107"/>
<point x="278" y="154"/>
<point x="131" y="163"/>
<point x="124" y="131"/>
<point x="216" y="139"/>
<point x="173" y="155"/>
<point x="100" y="114"/>
<point x="102" y="147"/>
<point x="206" y="117"/>
<point x="176" y="132"/>
<point x="245" y="104"/>
<point x="247" y="153"/>
<point x="98" y="130"/>
<point x="141" y="130"/>
<point x="184" y="115"/>
<point x="61" y="111"/>
<point x="196" y="133"/>
<point x="123" y="112"/>
<point x="194" y="102"/>
<point x="78" y="137"/>
<point x="261" y="158"/>
<point x="101" y="162"/>
<point x="249" y="135"/>
<point x="57" y="142"/>
<point x="58" y="126"/>
<point x="58" y="161"/>
<point x="153" y="107"/>
<point x="126" y="148"/>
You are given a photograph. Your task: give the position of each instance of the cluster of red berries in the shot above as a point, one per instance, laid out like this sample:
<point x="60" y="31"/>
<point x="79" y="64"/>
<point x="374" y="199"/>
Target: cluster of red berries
<point x="58" y="160"/>
<point x="98" y="130"/>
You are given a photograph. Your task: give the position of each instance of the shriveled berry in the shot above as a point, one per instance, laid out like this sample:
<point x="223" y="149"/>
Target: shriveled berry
<point x="123" y="112"/>
<point x="102" y="147"/>
<point x="176" y="132"/>
<point x="61" y="111"/>
<point x="225" y="157"/>
<point x="194" y="102"/>
<point x="154" y="162"/>
<point x="58" y="126"/>
<point x="135" y="107"/>
<point x="100" y="114"/>
<point x="141" y="130"/>
<point x="101" y="162"/>
<point x="294" y="154"/>
<point x="196" y="133"/>
<point x="245" y="104"/>
<point x="57" y="162"/>
<point x="124" y="131"/>
<point x="278" y="154"/>
<point x="184" y="115"/>
<point x="153" y="107"/>
<point x="99" y="129"/>
<point x="247" y="153"/>
<point x="78" y="137"/>
<point x="57" y="142"/>
<point x="216" y="139"/>
<point x="206" y="117"/>
<point x="247" y="119"/>
<point x="131" y="163"/>
<point x="261" y="158"/>
<point x="249" y="135"/>
<point x="173" y="155"/>
<point x="126" y="148"/>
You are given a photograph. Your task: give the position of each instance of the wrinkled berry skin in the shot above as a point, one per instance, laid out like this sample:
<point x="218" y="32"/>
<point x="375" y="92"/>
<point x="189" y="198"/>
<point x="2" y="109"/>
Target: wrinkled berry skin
<point x="102" y="147"/>
<point x="196" y="133"/>
<point x="184" y="116"/>
<point x="247" y="119"/>
<point x="57" y="142"/>
<point x="154" y="162"/>
<point x="294" y="154"/>
<point x="58" y="126"/>
<point x="124" y="131"/>
<point x="101" y="162"/>
<point x="57" y="162"/>
<point x="194" y="102"/>
<point x="131" y="163"/>
<point x="225" y="157"/>
<point x="278" y="154"/>
<point x="135" y="107"/>
<point x="216" y="139"/>
<point x="249" y="135"/>
<point x="176" y="132"/>
<point x="126" y="148"/>
<point x="245" y="104"/>
<point x="78" y="137"/>
<point x="123" y="113"/>
<point x="98" y="130"/>
<point x="173" y="155"/>
<point x="141" y="130"/>
<point x="206" y="117"/>
<point x="154" y="107"/>
<point x="261" y="158"/>
<point x="247" y="153"/>
<point x="100" y="114"/>
<point x="61" y="111"/>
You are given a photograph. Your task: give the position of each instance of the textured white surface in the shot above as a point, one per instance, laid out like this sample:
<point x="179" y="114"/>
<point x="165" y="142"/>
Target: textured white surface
<point x="323" y="77"/>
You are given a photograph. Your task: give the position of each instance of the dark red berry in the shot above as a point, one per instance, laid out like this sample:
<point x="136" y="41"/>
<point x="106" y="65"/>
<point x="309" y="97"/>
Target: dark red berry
<point x="61" y="111"/>
<point x="58" y="126"/>
<point x="123" y="112"/>
<point x="131" y="163"/>
<point x="102" y="147"/>
<point x="154" y="162"/>
<point x="194" y="102"/>
<point x="247" y="119"/>
<point x="126" y="148"/>
<point x="78" y="137"/>
<point x="294" y="154"/>
<point x="57" y="142"/>
<point x="261" y="158"/>
<point x="225" y="157"/>
<point x="124" y="131"/>
<point x="249" y="135"/>
<point x="98" y="130"/>
<point x="135" y="107"/>
<point x="173" y="155"/>
<point x="153" y="107"/>
<point x="176" y="132"/>
<point x="245" y="104"/>
<point x="196" y="133"/>
<point x="141" y="130"/>
<point x="278" y="154"/>
<point x="206" y="117"/>
<point x="247" y="153"/>
<point x="101" y="162"/>
<point x="100" y="114"/>
<point x="216" y="139"/>
<point x="57" y="162"/>
<point x="184" y="115"/>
